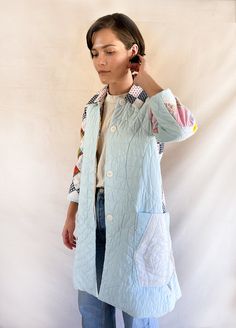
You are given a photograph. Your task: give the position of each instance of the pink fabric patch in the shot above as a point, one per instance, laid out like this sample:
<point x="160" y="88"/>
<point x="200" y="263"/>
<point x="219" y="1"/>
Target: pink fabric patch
<point x="180" y="113"/>
<point x="153" y="122"/>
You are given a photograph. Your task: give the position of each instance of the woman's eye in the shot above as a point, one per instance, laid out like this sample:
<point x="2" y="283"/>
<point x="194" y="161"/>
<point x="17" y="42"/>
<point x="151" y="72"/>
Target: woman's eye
<point x="109" y="53"/>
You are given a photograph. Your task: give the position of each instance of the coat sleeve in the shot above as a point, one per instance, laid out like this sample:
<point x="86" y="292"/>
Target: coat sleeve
<point x="170" y="119"/>
<point x="73" y="194"/>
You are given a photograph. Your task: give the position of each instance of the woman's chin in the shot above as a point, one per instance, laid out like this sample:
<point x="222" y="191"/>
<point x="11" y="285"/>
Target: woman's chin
<point x="104" y="80"/>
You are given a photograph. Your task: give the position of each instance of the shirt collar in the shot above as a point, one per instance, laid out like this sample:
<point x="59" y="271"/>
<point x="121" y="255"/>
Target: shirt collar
<point x="136" y="96"/>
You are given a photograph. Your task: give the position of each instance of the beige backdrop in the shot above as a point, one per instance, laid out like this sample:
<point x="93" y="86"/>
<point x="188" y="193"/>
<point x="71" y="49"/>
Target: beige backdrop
<point x="46" y="78"/>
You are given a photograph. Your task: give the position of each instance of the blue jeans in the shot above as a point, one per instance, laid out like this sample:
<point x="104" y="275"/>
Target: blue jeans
<point x="94" y="312"/>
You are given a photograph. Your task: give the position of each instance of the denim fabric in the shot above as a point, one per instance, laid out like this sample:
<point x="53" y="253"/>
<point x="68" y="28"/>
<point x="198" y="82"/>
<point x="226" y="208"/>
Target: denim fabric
<point x="95" y="313"/>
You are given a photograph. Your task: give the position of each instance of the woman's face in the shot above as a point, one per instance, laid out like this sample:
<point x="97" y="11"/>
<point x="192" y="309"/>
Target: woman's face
<point x="110" y="57"/>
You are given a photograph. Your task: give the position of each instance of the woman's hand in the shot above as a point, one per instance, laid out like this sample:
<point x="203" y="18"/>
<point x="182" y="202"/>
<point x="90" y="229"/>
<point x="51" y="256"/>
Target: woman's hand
<point x="139" y="70"/>
<point x="142" y="77"/>
<point x="68" y="237"/>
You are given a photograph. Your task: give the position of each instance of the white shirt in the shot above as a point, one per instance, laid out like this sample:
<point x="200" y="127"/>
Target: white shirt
<point x="109" y="106"/>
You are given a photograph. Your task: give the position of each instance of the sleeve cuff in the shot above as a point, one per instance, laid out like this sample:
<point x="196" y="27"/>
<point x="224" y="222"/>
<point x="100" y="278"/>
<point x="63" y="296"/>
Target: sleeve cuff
<point x="166" y="95"/>
<point x="73" y="197"/>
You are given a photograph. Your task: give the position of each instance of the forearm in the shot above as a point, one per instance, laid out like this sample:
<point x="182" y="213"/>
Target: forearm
<point x="72" y="210"/>
<point x="149" y="85"/>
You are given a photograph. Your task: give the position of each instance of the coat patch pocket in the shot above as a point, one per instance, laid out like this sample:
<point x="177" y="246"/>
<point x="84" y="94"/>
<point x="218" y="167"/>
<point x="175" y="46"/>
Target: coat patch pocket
<point x="153" y="257"/>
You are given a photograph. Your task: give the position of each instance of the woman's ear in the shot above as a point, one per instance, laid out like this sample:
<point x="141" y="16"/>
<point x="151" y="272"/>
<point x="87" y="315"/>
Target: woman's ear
<point x="134" y="50"/>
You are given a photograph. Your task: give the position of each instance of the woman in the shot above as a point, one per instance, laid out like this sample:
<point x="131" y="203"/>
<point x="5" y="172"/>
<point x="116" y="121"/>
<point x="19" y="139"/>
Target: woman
<point x="123" y="256"/>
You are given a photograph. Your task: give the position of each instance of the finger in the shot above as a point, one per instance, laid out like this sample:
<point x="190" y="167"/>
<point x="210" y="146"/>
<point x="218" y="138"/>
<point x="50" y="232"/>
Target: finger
<point x="141" y="58"/>
<point x="67" y="244"/>
<point x="134" y="74"/>
<point x="142" y="63"/>
<point x="72" y="239"/>
<point x="135" y="67"/>
<point x="66" y="240"/>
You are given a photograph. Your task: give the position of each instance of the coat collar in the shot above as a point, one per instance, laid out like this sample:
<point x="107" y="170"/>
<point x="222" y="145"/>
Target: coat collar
<point x="136" y="96"/>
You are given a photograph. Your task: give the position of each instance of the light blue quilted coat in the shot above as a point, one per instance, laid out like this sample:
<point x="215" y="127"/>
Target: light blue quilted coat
<point x="139" y="275"/>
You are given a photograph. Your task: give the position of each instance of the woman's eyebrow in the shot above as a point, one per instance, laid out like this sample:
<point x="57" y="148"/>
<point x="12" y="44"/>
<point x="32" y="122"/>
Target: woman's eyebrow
<point x="106" y="46"/>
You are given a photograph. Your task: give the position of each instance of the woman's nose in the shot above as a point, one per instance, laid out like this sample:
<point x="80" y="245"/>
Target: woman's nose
<point x="102" y="60"/>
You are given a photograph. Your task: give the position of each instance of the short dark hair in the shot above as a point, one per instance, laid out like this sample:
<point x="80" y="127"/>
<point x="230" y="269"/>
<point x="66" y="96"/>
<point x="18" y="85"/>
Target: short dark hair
<point x="124" y="28"/>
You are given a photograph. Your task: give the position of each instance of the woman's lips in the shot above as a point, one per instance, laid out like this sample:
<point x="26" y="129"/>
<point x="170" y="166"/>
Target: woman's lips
<point x="103" y="72"/>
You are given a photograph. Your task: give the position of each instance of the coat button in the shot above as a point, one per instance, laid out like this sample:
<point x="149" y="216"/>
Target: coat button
<point x="113" y="128"/>
<point x="109" y="217"/>
<point x="109" y="174"/>
<point x="122" y="102"/>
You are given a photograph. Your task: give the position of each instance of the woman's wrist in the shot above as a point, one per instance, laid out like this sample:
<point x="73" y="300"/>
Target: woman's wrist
<point x="71" y="217"/>
<point x="149" y="85"/>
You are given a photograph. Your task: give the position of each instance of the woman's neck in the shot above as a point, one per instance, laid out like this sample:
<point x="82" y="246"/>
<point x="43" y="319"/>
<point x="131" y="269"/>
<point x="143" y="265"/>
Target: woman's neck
<point x="120" y="87"/>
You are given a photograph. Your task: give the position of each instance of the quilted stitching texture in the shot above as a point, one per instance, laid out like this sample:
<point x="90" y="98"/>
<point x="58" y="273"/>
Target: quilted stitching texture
<point x="153" y="256"/>
<point x="136" y="278"/>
